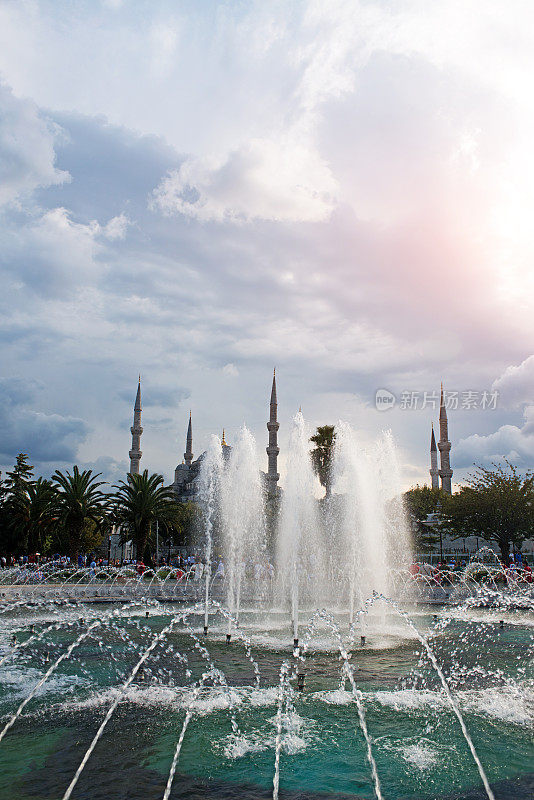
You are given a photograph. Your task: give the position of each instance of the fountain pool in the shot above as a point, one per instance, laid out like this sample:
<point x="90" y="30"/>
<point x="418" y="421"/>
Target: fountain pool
<point x="235" y="712"/>
<point x="324" y="667"/>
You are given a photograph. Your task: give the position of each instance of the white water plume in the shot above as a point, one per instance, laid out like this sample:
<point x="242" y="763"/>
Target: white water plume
<point x="300" y="548"/>
<point x="370" y="532"/>
<point x="242" y="520"/>
<point x="210" y="476"/>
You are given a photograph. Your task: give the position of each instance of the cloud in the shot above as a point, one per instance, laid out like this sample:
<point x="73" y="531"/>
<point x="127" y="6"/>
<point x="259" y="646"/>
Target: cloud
<point x="231" y="370"/>
<point x="45" y="437"/>
<point x="51" y="253"/>
<point x="54" y="254"/>
<point x="116" y="227"/>
<point x="16" y="391"/>
<point x="161" y="396"/>
<point x="27" y="155"/>
<point x="516" y="443"/>
<point x="111" y="470"/>
<point x="333" y="188"/>
<point x="516" y="384"/>
<point x="283" y="181"/>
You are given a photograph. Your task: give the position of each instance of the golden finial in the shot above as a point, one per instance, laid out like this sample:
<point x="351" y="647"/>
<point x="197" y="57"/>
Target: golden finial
<point x="223" y="443"/>
<point x="300" y="409"/>
<point x="274" y="372"/>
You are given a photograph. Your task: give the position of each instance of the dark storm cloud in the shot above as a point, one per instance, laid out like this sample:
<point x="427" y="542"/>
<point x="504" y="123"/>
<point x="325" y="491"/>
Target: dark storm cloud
<point x="45" y="437"/>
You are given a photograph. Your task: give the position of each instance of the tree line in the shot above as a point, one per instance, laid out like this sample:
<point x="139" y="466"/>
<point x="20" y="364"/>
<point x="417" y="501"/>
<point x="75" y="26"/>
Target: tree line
<point x="72" y="512"/>
<point x="495" y="504"/>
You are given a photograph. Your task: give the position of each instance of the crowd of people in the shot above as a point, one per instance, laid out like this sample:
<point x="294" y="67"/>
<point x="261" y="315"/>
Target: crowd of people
<point x="447" y="571"/>
<point x="192" y="566"/>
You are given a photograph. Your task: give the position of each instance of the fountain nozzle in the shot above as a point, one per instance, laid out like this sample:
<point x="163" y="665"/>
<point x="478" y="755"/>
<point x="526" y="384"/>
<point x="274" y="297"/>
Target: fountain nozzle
<point x="300" y="681"/>
<point x="13" y="641"/>
<point x="81" y="620"/>
<point x="32" y="628"/>
<point x="295" y="643"/>
<point x="362" y="641"/>
<point x="147" y="613"/>
<point x="501" y="624"/>
<point x="205" y="630"/>
<point x="228" y="637"/>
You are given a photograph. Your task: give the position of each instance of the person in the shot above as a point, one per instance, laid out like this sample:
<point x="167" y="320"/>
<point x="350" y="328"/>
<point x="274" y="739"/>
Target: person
<point x="199" y="570"/>
<point x="93" y="568"/>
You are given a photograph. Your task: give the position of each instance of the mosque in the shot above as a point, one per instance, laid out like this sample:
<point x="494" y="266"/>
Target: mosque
<point x="187" y="474"/>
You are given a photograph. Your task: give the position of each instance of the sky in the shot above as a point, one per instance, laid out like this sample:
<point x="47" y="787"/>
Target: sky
<point x="200" y="191"/>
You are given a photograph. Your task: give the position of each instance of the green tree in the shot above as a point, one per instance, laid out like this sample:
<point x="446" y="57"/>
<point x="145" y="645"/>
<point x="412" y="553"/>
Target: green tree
<point x="322" y="455"/>
<point x="79" y="498"/>
<point x="495" y="504"/>
<point x="420" y="501"/>
<point x="138" y="504"/>
<point x="41" y="514"/>
<point x="93" y="535"/>
<point x="15" y="505"/>
<point x="20" y="476"/>
<point x="188" y="523"/>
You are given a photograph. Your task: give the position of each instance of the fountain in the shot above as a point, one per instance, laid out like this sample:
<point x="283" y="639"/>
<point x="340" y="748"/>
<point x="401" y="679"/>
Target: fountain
<point x="240" y="684"/>
<point x="300" y="563"/>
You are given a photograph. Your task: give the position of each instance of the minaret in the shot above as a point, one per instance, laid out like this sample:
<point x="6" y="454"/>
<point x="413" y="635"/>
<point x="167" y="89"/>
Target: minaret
<point x="273" y="449"/>
<point x="188" y="455"/>
<point x="444" y="447"/>
<point x="434" y="474"/>
<point x="136" y="429"/>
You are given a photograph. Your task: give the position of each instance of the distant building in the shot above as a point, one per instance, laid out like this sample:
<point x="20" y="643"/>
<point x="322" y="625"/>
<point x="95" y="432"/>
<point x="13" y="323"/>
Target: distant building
<point x="136" y="430"/>
<point x="444" y="446"/>
<point x="187" y="474"/>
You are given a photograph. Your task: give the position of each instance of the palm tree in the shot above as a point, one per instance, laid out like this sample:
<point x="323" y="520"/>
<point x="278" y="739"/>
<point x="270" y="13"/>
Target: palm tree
<point x="322" y="454"/>
<point x="139" y="503"/>
<point x="79" y="499"/>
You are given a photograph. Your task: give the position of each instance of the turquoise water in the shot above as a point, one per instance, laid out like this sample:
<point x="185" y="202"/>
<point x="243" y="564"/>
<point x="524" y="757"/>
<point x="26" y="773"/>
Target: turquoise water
<point x="416" y="739"/>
